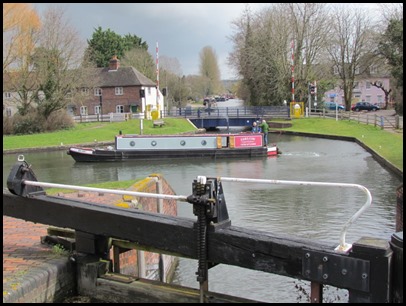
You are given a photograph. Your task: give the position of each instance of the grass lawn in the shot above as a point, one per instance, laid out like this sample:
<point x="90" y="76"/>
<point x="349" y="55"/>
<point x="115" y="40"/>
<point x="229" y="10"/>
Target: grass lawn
<point x="95" y="132"/>
<point x="388" y="144"/>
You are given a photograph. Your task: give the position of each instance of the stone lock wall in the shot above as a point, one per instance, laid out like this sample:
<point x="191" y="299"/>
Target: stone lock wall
<point x="129" y="259"/>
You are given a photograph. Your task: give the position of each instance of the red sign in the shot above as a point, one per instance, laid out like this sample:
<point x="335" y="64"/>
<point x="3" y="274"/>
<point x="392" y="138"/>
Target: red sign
<point x="248" y="140"/>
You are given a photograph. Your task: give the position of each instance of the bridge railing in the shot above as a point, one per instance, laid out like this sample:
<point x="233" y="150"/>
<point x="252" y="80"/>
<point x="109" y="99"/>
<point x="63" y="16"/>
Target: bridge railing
<point x="227" y="112"/>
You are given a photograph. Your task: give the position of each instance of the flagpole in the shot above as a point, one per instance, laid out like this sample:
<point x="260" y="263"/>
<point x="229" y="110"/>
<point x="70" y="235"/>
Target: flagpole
<point x="293" y="71"/>
<point x="157" y="76"/>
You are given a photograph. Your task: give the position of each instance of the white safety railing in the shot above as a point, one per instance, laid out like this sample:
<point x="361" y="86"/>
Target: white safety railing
<point x="112" y="191"/>
<point x="343" y="247"/>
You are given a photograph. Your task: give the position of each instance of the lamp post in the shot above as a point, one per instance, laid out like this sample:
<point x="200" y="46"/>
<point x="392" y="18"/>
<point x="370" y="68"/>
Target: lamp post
<point x="101" y="106"/>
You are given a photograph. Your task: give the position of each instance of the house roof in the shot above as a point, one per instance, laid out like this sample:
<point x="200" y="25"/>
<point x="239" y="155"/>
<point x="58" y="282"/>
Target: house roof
<point x="123" y="76"/>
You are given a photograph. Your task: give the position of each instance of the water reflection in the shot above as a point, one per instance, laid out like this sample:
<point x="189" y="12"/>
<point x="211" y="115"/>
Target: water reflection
<point x="307" y="211"/>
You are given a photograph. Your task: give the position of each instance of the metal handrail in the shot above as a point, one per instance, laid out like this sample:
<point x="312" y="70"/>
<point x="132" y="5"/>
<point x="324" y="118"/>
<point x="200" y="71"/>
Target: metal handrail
<point x="105" y="190"/>
<point x="343" y="247"/>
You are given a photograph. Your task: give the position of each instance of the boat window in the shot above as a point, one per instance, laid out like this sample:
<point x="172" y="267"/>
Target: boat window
<point x="182" y="143"/>
<point x="132" y="143"/>
<point x="153" y="143"/>
<point x="204" y="142"/>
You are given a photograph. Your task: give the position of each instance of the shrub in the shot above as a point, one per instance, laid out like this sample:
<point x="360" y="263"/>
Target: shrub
<point x="58" y="121"/>
<point x="30" y="123"/>
<point x="7" y="125"/>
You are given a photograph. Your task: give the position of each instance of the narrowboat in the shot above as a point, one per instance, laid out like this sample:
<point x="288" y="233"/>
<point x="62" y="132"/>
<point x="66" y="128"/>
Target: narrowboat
<point x="147" y="147"/>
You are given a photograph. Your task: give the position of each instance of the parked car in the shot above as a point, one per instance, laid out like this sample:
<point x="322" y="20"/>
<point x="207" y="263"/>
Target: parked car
<point x="359" y="106"/>
<point x="333" y="106"/>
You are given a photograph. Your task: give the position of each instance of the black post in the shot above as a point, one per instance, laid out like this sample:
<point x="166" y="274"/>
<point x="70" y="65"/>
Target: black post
<point x="101" y="107"/>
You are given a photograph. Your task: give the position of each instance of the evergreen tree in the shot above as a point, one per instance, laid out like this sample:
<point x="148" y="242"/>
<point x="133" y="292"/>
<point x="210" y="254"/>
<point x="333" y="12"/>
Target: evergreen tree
<point x="106" y="43"/>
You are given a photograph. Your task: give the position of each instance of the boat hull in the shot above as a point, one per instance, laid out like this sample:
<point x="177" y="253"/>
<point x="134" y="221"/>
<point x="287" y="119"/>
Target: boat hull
<point x="147" y="147"/>
<point x="102" y="155"/>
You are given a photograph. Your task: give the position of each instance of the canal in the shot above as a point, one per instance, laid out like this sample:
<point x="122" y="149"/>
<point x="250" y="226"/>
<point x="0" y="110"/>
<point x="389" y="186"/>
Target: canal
<point x="317" y="213"/>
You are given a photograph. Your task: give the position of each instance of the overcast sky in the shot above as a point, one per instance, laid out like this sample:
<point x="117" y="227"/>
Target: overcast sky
<point x="181" y="30"/>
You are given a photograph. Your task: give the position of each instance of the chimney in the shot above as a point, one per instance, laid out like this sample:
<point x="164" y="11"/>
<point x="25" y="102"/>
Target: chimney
<point x="114" y="63"/>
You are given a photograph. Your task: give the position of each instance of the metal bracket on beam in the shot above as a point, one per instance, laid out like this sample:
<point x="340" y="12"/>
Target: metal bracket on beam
<point x="208" y="192"/>
<point x="19" y="172"/>
<point x="337" y="270"/>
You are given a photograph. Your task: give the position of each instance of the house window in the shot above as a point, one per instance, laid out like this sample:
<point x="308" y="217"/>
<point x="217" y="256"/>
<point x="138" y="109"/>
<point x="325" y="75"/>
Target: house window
<point x="97" y="91"/>
<point x="356" y="85"/>
<point x="7" y="95"/>
<point x="120" y="109"/>
<point x="119" y="91"/>
<point x="373" y="69"/>
<point x="357" y="70"/>
<point x="368" y="99"/>
<point x="368" y="85"/>
<point x="380" y="98"/>
<point x="149" y="90"/>
<point x="8" y="111"/>
<point x="97" y="109"/>
<point x="335" y="70"/>
<point x="85" y="91"/>
<point x="83" y="110"/>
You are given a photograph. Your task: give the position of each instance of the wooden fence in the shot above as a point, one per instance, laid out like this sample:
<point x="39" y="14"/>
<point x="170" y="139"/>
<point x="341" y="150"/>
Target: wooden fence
<point x="384" y="122"/>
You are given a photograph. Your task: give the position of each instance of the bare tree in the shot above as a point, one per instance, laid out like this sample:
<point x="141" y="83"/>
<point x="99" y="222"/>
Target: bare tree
<point x="20" y="28"/>
<point x="350" y="48"/>
<point x="262" y="50"/>
<point x="171" y="65"/>
<point x="140" y="59"/>
<point x="20" y="23"/>
<point x="60" y="65"/>
<point x="170" y="78"/>
<point x="209" y="69"/>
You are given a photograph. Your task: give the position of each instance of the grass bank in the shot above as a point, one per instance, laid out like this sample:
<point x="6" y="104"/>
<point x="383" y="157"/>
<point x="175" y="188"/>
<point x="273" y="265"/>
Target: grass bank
<point x="95" y="132"/>
<point x="387" y="144"/>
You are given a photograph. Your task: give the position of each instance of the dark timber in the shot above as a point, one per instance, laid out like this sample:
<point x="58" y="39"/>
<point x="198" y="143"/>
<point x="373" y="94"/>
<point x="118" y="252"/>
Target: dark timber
<point x="365" y="270"/>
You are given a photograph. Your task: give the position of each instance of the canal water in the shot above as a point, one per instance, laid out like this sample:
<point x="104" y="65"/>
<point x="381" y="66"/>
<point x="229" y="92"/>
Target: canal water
<point x="317" y="213"/>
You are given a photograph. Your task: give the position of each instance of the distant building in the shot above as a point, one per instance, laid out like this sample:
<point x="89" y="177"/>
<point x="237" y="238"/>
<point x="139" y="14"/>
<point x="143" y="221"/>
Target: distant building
<point x="118" y="90"/>
<point x="363" y="89"/>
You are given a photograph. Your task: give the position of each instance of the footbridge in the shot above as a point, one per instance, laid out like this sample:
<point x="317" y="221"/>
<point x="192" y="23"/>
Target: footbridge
<point x="209" y="118"/>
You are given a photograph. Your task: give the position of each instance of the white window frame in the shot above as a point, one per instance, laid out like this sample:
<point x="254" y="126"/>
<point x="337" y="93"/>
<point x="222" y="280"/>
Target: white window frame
<point x="7" y="95"/>
<point x="373" y="69"/>
<point x="356" y="70"/>
<point x="119" y="91"/>
<point x="368" y="99"/>
<point x="83" y="110"/>
<point x="149" y="90"/>
<point x="335" y="70"/>
<point x="97" y="109"/>
<point x="97" y="92"/>
<point x="367" y="85"/>
<point x="85" y="91"/>
<point x="8" y="111"/>
<point x="120" y="109"/>
<point x="380" y="99"/>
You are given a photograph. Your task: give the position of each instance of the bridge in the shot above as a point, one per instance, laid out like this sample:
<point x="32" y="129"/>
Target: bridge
<point x="209" y="118"/>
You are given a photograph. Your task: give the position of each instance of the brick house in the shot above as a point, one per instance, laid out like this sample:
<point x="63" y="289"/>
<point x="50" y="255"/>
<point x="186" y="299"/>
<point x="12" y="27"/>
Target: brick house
<point x="118" y="90"/>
